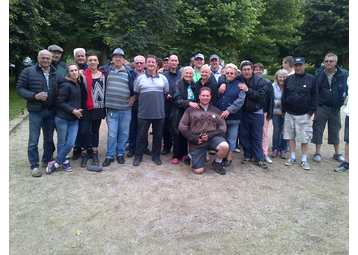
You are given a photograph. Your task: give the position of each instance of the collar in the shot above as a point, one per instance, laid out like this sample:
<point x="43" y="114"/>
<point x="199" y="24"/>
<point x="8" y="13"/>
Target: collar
<point x="155" y="76"/>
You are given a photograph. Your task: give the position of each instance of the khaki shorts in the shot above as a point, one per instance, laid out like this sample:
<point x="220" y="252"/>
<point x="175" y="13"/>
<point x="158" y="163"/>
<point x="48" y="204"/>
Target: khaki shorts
<point x="297" y="126"/>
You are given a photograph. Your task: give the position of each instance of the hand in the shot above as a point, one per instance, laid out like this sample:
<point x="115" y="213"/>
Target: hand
<point x="243" y="86"/>
<point x="194" y="105"/>
<point x="225" y="114"/>
<point x="41" y="96"/>
<point x="131" y="100"/>
<point x="222" y="89"/>
<point x="309" y="116"/>
<point x="204" y="138"/>
<point x="169" y="96"/>
<point x="77" y="113"/>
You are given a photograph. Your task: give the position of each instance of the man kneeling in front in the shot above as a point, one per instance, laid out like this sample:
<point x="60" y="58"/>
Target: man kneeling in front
<point x="204" y="128"/>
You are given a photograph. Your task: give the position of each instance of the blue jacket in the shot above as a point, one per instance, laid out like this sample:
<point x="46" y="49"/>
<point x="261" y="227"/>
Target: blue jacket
<point x="232" y="100"/>
<point x="339" y="85"/>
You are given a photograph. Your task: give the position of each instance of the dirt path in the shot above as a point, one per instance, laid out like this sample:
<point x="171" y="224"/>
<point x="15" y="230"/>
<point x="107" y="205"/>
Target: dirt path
<point x="168" y="209"/>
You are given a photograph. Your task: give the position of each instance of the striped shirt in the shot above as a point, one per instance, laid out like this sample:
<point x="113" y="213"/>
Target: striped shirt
<point x="117" y="93"/>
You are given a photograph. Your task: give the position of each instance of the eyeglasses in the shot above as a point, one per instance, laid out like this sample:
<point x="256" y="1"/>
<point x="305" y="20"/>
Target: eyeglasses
<point x="258" y="70"/>
<point x="229" y="73"/>
<point x="139" y="63"/>
<point x="329" y="61"/>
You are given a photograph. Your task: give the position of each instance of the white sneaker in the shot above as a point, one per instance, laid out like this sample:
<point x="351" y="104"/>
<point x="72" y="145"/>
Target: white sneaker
<point x="237" y="150"/>
<point x="267" y="159"/>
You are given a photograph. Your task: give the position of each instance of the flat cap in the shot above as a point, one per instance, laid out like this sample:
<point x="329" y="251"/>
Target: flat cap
<point x="118" y="51"/>
<point x="54" y="47"/>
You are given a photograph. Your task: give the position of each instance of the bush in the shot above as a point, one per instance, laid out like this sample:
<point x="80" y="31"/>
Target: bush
<point x="272" y="69"/>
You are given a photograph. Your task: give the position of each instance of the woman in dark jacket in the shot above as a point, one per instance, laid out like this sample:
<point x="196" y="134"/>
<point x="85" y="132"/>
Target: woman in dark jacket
<point x="66" y="119"/>
<point x="183" y="97"/>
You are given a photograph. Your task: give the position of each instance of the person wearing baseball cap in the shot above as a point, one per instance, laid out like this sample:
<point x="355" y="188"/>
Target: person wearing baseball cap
<point x="56" y="52"/>
<point x="199" y="61"/>
<point x="215" y="68"/>
<point x="299" y="101"/>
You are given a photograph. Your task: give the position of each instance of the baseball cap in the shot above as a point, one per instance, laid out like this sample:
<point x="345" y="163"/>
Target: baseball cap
<point x="166" y="58"/>
<point x="299" y="60"/>
<point x="214" y="56"/>
<point x="199" y="55"/>
<point x="54" y="47"/>
<point x="118" y="51"/>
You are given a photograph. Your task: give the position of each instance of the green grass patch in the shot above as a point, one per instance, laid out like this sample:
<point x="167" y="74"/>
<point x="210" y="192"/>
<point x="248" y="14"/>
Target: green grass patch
<point x="270" y="77"/>
<point x="16" y="103"/>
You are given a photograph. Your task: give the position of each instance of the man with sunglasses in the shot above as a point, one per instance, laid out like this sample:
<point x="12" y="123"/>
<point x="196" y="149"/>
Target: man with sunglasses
<point x="331" y="82"/>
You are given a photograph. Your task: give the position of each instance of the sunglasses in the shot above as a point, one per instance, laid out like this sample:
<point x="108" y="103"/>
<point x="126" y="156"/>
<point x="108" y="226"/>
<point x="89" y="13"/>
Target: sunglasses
<point x="139" y="63"/>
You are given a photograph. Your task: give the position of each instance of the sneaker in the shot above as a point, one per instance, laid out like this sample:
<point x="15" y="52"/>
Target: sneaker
<point x="237" y="150"/>
<point x="95" y="158"/>
<point x="67" y="167"/>
<point x="212" y="152"/>
<point x="305" y="165"/>
<point x="274" y="153"/>
<point x="268" y="160"/>
<point x="84" y="159"/>
<point x="76" y="153"/>
<point x="290" y="162"/>
<point x="175" y="161"/>
<point x="317" y="157"/>
<point x="245" y="160"/>
<point x="218" y="167"/>
<point x="283" y="154"/>
<point x="342" y="167"/>
<point x="227" y="163"/>
<point x="52" y="166"/>
<point x="36" y="172"/>
<point x="338" y="157"/>
<point x="261" y="164"/>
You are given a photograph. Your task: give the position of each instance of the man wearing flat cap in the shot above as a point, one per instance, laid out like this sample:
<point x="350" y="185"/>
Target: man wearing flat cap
<point x="119" y="100"/>
<point x="299" y="101"/>
<point x="56" y="52"/>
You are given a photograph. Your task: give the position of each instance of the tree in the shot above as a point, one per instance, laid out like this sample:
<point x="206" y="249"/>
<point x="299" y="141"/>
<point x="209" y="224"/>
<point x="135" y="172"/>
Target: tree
<point x="325" y="29"/>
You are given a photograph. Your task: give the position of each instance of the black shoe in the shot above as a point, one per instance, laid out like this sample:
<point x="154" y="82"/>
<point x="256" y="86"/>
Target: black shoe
<point x="107" y="161"/>
<point x="187" y="161"/>
<point x="218" y="167"/>
<point x="84" y="159"/>
<point x="136" y="162"/>
<point x="227" y="163"/>
<point x="211" y="152"/>
<point x="95" y="158"/>
<point x="120" y="160"/>
<point x="127" y="148"/>
<point x="90" y="153"/>
<point x="147" y="152"/>
<point x="157" y="161"/>
<point x="130" y="154"/>
<point x="76" y="153"/>
<point x="165" y="152"/>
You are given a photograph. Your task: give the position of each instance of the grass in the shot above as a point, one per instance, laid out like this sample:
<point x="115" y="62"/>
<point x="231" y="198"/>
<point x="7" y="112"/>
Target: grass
<point x="16" y="103"/>
<point x="270" y="77"/>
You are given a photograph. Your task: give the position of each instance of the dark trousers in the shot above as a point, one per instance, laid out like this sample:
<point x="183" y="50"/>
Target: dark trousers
<point x="85" y="127"/>
<point x="133" y="132"/>
<point x="167" y="136"/>
<point x="142" y="137"/>
<point x="251" y="135"/>
<point x="180" y="147"/>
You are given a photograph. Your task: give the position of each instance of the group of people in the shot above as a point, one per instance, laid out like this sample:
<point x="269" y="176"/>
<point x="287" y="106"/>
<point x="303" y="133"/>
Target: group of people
<point x="192" y="110"/>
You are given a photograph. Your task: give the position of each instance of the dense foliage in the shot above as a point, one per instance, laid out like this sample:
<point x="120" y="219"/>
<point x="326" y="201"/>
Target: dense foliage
<point x="259" y="30"/>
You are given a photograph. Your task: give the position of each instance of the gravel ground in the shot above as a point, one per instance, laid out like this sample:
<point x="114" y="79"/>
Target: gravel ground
<point x="168" y="209"/>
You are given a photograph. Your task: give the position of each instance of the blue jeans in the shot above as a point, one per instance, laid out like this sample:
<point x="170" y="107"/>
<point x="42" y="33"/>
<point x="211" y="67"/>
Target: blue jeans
<point x="66" y="137"/>
<point x="118" y="122"/>
<point x="231" y="133"/>
<point x="278" y="143"/>
<point x="44" y="119"/>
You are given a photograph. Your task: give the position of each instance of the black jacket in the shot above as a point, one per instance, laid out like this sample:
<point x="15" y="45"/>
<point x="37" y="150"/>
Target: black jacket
<point x="69" y="98"/>
<point x="180" y="103"/>
<point x="269" y="99"/>
<point x="212" y="84"/>
<point x="255" y="96"/>
<point x="32" y="81"/>
<point x="300" y="94"/>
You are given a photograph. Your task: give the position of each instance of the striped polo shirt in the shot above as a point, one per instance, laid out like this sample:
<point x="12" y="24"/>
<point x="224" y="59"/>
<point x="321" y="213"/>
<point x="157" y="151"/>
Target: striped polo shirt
<point x="117" y="92"/>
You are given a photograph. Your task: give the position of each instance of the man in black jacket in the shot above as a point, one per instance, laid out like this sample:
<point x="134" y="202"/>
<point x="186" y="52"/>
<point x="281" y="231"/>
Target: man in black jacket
<point x="299" y="101"/>
<point x="252" y="120"/>
<point x="38" y="85"/>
